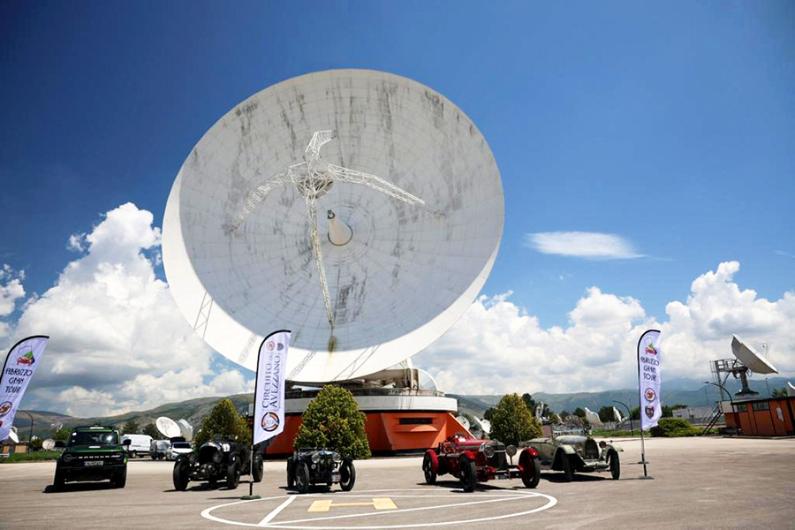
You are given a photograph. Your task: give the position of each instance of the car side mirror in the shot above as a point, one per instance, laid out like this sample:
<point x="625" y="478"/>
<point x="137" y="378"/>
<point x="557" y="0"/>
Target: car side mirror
<point x="126" y="442"/>
<point x="59" y="444"/>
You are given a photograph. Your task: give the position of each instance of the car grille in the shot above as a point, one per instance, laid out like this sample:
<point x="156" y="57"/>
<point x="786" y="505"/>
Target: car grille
<point x="499" y="460"/>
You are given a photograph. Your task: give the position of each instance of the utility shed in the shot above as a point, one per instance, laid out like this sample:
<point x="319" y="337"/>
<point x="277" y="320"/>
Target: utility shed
<point x="763" y="417"/>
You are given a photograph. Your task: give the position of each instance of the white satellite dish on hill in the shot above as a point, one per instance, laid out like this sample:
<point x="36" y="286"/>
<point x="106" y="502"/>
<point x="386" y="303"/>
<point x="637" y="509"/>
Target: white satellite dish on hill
<point x="790" y="389"/>
<point x="463" y="421"/>
<point x="167" y="427"/>
<point x="48" y="444"/>
<point x="186" y="429"/>
<point x="360" y="209"/>
<point x="13" y="436"/>
<point x="617" y="415"/>
<point x="755" y="362"/>
<point x="486" y="426"/>
<point x="592" y="417"/>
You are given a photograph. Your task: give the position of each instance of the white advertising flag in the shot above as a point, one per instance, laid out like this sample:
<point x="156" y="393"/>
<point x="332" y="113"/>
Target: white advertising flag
<point x="18" y="369"/>
<point x="269" y="389"/>
<point x="649" y="359"/>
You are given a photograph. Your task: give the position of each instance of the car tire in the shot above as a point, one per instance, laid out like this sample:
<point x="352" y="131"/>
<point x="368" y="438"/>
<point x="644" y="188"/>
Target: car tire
<point x="290" y="474"/>
<point x="302" y="478"/>
<point x="347" y="475"/>
<point x="232" y="476"/>
<point x="427" y="469"/>
<point x="153" y="456"/>
<point x="59" y="480"/>
<point x="615" y="465"/>
<point x="565" y="465"/>
<point x="119" y="480"/>
<point x="531" y="473"/>
<point x="181" y="475"/>
<point x="469" y="474"/>
<point x="259" y="469"/>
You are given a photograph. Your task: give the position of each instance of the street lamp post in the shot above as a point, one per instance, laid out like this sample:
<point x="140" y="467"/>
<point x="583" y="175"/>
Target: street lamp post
<point x="30" y="434"/>
<point x="629" y="415"/>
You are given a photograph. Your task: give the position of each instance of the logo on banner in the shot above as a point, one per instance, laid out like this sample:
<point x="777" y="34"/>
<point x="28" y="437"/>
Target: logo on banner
<point x="26" y="359"/>
<point x="649" y="394"/>
<point x="5" y="408"/>
<point x="650" y="411"/>
<point x="269" y="345"/>
<point x="270" y="422"/>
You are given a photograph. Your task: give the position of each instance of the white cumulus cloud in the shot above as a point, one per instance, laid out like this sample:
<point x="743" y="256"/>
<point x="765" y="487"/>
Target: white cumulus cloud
<point x="591" y="245"/>
<point x="497" y="347"/>
<point x="118" y="341"/>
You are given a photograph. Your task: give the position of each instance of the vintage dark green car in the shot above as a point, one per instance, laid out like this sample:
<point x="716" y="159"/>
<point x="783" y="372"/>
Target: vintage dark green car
<point x="92" y="453"/>
<point x="574" y="451"/>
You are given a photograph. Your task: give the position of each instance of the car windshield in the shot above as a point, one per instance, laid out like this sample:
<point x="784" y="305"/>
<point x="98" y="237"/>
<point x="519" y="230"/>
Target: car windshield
<point x="94" y="438"/>
<point x="180" y="445"/>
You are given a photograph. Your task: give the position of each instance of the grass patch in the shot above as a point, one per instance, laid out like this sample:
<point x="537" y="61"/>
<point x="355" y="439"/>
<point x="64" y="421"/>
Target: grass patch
<point x="615" y="434"/>
<point x="34" y="456"/>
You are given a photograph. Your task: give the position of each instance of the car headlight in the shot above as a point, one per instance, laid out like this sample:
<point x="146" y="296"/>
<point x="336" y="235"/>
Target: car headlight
<point x="337" y="457"/>
<point x="315" y="458"/>
<point x="488" y="450"/>
<point x="217" y="457"/>
<point x="510" y="450"/>
<point x="68" y="457"/>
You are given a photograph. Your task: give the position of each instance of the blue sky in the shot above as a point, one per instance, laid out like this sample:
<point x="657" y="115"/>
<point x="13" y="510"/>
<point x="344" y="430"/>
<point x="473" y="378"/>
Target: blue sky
<point x="669" y="125"/>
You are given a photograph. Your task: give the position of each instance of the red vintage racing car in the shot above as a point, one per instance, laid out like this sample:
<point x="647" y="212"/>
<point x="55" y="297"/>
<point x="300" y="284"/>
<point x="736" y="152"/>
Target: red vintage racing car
<point x="473" y="460"/>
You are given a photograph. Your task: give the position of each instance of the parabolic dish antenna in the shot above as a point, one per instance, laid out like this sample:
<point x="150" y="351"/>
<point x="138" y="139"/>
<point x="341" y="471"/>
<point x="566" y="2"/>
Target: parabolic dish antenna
<point x="13" y="436"/>
<point x="359" y="209"/>
<point x="185" y="429"/>
<point x="755" y="362"/>
<point x="463" y="421"/>
<point x="167" y="427"/>
<point x="48" y="444"/>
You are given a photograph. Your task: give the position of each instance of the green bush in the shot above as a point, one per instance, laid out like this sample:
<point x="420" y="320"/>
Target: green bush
<point x="511" y="421"/>
<point x="224" y="420"/>
<point x="332" y="420"/>
<point x="674" y="427"/>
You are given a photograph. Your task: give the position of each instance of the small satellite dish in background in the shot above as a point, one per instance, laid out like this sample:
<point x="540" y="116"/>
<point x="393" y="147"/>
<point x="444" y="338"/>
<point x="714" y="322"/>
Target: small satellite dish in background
<point x="167" y="427"/>
<point x="48" y="444"/>
<point x="592" y="417"/>
<point x="755" y="362"/>
<point x="790" y="389"/>
<point x="617" y="415"/>
<point x="475" y="427"/>
<point x="486" y="426"/>
<point x="463" y="421"/>
<point x="13" y="436"/>
<point x="186" y="429"/>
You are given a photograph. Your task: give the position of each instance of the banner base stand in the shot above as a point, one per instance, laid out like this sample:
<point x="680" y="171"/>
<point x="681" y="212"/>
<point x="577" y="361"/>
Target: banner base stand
<point x="646" y="478"/>
<point x="253" y="497"/>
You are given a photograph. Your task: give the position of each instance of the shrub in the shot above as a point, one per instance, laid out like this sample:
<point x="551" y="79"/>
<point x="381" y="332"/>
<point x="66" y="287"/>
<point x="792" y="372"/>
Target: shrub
<point x="511" y="421"/>
<point x="674" y="427"/>
<point x="332" y="420"/>
<point x="223" y="420"/>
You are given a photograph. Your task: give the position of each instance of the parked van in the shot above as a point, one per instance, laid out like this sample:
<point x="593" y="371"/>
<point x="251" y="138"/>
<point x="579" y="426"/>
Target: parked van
<point x="139" y="444"/>
<point x="159" y="449"/>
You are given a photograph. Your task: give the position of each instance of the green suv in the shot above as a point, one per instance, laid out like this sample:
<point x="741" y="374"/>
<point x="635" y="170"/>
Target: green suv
<point x="90" y="454"/>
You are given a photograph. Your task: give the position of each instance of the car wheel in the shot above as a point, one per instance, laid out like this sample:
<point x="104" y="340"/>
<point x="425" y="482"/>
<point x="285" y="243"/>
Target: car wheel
<point x="347" y="475"/>
<point x="181" y="475"/>
<point x="59" y="480"/>
<point x="565" y="463"/>
<point x="259" y="469"/>
<point x="302" y="478"/>
<point x="427" y="469"/>
<point x="232" y="476"/>
<point x="119" y="480"/>
<point x="290" y="474"/>
<point x="531" y="473"/>
<point x="469" y="474"/>
<point x="615" y="465"/>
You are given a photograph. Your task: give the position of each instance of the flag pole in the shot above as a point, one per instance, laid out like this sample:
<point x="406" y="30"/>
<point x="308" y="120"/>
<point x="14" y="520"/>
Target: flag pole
<point x="640" y="411"/>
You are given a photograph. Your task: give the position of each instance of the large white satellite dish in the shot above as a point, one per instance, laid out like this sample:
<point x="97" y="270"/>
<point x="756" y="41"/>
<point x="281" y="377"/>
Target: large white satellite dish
<point x="48" y="444"/>
<point x="592" y="417"/>
<point x="185" y="429"/>
<point x="463" y="421"/>
<point x="167" y="427"/>
<point x="13" y="436"/>
<point x="360" y="209"/>
<point x="755" y="362"/>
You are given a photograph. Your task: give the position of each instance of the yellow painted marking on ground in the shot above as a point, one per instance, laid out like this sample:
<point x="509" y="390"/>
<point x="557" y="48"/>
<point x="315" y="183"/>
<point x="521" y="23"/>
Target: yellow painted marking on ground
<point x="379" y="503"/>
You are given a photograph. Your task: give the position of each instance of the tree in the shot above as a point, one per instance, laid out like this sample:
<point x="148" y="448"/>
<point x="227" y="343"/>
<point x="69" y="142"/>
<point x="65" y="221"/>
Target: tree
<point x="779" y="392"/>
<point x="554" y="419"/>
<point x="131" y="427"/>
<point x="151" y="430"/>
<point x="488" y="414"/>
<point x="62" y="434"/>
<point x="512" y="422"/>
<point x="530" y="402"/>
<point x="606" y="414"/>
<point x="579" y="412"/>
<point x="635" y="413"/>
<point x="565" y="414"/>
<point x="224" y="420"/>
<point x="332" y="420"/>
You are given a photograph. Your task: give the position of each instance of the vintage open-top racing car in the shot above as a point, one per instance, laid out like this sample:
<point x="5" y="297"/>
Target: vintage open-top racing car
<point x="308" y="467"/>
<point x="573" y="451"/>
<point x="218" y="460"/>
<point x="473" y="460"/>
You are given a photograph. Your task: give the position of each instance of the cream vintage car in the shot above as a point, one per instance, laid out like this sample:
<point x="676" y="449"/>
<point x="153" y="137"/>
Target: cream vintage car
<point x="574" y="451"/>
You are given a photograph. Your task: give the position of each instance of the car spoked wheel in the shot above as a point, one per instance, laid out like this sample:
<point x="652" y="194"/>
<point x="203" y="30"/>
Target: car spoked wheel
<point x="181" y="475"/>
<point x="615" y="465"/>
<point x="531" y="473"/>
<point x="232" y="476"/>
<point x="259" y="469"/>
<point x="347" y="475"/>
<point x="469" y="474"/>
<point x="302" y="478"/>
<point x="427" y="469"/>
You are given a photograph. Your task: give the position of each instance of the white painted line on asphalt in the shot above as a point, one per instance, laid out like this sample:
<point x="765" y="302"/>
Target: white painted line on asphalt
<point x="276" y="511"/>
